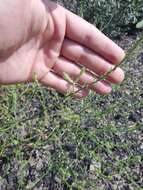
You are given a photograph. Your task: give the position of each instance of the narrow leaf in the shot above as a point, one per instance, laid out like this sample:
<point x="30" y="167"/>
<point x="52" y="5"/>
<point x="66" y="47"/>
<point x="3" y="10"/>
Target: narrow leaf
<point x="139" y="24"/>
<point x="82" y="71"/>
<point x="67" y="78"/>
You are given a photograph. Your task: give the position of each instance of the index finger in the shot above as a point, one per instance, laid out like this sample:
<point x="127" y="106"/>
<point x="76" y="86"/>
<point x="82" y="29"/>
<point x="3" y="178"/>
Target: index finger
<point x="79" y="30"/>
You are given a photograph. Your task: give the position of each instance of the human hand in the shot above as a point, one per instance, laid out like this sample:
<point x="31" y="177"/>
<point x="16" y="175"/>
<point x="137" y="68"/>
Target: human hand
<point x="40" y="37"/>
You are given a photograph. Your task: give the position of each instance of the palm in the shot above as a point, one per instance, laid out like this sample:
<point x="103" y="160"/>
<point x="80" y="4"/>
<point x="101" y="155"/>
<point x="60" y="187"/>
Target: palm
<point x="66" y="44"/>
<point x="36" y="55"/>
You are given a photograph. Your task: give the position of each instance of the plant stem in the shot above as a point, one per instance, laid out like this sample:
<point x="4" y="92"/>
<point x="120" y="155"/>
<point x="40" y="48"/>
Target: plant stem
<point x="129" y="54"/>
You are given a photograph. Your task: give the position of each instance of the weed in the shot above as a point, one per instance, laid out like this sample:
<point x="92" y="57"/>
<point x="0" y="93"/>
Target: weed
<point x="52" y="142"/>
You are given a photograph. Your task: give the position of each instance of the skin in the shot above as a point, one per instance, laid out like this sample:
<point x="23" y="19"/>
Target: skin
<point x="42" y="38"/>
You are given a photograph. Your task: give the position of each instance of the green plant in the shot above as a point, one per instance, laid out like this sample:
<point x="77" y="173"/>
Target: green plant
<point x="76" y="144"/>
<point x="131" y="53"/>
<point x="140" y="25"/>
<point x="113" y="16"/>
<point x="80" y="145"/>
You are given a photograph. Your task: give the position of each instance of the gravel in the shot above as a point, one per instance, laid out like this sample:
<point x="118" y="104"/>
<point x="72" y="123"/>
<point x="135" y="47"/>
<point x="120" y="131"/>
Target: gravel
<point x="128" y="113"/>
<point x="120" y="146"/>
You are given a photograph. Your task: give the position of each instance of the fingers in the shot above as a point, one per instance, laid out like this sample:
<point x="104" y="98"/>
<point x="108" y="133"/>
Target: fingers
<point x="64" y="66"/>
<point x="62" y="86"/>
<point x="86" y="34"/>
<point x="91" y="60"/>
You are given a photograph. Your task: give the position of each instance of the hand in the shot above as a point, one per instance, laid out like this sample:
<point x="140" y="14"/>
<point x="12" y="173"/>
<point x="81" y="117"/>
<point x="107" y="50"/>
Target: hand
<point x="42" y="38"/>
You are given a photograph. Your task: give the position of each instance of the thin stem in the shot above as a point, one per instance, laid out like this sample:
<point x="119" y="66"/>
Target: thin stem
<point x="129" y="54"/>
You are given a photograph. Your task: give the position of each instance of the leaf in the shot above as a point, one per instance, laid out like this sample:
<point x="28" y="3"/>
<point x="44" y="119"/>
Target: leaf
<point x="15" y="142"/>
<point x="80" y="74"/>
<point x="68" y="78"/>
<point x="139" y="24"/>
